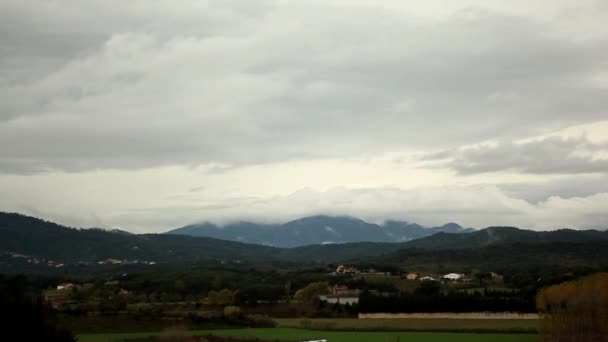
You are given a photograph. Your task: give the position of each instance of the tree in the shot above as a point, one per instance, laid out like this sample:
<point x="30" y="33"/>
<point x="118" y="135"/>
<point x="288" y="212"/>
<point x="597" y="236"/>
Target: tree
<point x="26" y="315"/>
<point x="288" y="291"/>
<point x="223" y="297"/>
<point x="311" y="292"/>
<point x="575" y="310"/>
<point x="428" y="288"/>
<point x="482" y="277"/>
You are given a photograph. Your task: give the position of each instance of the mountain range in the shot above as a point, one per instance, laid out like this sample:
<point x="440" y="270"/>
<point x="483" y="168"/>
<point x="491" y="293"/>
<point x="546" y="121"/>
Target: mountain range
<point x="35" y="238"/>
<point x="316" y="230"/>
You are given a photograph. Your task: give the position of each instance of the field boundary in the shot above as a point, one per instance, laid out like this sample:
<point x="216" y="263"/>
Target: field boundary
<point x="451" y="315"/>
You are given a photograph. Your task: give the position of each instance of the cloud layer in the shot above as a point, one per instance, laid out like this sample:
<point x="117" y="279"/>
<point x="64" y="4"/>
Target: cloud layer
<point x="320" y="95"/>
<point x="552" y="155"/>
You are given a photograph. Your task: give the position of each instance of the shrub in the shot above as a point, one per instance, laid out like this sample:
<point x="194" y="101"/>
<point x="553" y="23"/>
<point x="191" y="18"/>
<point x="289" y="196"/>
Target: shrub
<point x="232" y="311"/>
<point x="260" y="321"/>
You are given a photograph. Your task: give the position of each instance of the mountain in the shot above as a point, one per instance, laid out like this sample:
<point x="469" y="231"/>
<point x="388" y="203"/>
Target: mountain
<point x="38" y="239"/>
<point x="504" y="235"/>
<point x="315" y="230"/>
<point x="46" y="240"/>
<point x="501" y="249"/>
<point x="501" y="257"/>
<point x="41" y="239"/>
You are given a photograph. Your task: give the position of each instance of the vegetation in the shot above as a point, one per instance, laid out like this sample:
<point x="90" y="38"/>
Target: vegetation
<point x="428" y="298"/>
<point x="575" y="310"/>
<point x="291" y="334"/>
<point x="414" y="324"/>
<point x="209" y="284"/>
<point x="482" y="250"/>
<point x="26" y="314"/>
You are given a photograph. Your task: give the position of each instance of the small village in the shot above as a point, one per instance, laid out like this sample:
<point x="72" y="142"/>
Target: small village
<point x="17" y="257"/>
<point x="341" y="294"/>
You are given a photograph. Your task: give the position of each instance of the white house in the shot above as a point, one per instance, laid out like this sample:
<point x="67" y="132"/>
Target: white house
<point x="64" y="286"/>
<point x="453" y="276"/>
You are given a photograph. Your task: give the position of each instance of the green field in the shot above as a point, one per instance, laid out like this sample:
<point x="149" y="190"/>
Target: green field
<point x="410" y="324"/>
<point x="291" y="334"/>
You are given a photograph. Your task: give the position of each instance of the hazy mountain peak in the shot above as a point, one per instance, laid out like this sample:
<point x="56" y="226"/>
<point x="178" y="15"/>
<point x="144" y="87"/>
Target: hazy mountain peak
<point x="318" y="229"/>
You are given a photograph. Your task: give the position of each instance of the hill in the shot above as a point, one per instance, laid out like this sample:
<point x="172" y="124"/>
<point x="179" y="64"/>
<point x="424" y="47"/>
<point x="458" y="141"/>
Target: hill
<point x="42" y="239"/>
<point x="35" y="238"/>
<point x="502" y="258"/>
<point x="315" y="230"/>
<point x="505" y="235"/>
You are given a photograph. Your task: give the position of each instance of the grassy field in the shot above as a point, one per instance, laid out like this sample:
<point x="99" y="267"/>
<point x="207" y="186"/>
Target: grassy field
<point x="291" y="334"/>
<point x="409" y="324"/>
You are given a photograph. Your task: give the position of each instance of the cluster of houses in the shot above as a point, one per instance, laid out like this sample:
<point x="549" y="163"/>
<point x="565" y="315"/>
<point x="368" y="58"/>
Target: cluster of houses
<point x="460" y="277"/>
<point x="451" y="277"/>
<point x="67" y="286"/>
<point x="55" y="264"/>
<point x="125" y="262"/>
<point x="342" y="270"/>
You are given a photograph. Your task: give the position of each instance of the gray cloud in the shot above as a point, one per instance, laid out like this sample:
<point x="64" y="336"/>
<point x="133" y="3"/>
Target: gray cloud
<point x="554" y="155"/>
<point x="250" y="82"/>
<point x="567" y="187"/>
<point x="474" y="206"/>
<point x="148" y="114"/>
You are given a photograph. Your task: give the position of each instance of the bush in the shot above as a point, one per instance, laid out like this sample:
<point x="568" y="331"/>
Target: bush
<point x="317" y="325"/>
<point x="306" y="324"/>
<point x="260" y="321"/>
<point x="232" y="311"/>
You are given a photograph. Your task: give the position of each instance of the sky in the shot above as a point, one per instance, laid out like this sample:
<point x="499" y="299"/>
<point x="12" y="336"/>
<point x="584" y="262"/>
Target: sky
<point x="150" y="115"/>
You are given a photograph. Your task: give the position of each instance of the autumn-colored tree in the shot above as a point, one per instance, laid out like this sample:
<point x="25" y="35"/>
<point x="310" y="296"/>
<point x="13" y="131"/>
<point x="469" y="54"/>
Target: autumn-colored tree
<point x="223" y="297"/>
<point x="311" y="292"/>
<point x="575" y="311"/>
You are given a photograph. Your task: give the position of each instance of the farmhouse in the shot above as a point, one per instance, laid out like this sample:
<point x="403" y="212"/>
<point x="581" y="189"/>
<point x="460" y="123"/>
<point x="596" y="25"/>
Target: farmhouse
<point x="452" y="276"/>
<point x="411" y="276"/>
<point x="65" y="286"/>
<point x="340" y="299"/>
<point x="339" y="289"/>
<point x="346" y="270"/>
<point x="341" y="294"/>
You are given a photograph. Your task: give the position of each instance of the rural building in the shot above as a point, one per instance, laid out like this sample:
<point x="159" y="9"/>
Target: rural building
<point x="453" y="276"/>
<point x="411" y="276"/>
<point x="339" y="289"/>
<point x="497" y="278"/>
<point x="346" y="270"/>
<point x="427" y="278"/>
<point x="65" y="286"/>
<point x="341" y="294"/>
<point x="340" y="299"/>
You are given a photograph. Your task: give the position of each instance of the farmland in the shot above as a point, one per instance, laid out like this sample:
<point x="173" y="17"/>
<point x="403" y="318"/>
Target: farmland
<point x="408" y="324"/>
<point x="292" y="334"/>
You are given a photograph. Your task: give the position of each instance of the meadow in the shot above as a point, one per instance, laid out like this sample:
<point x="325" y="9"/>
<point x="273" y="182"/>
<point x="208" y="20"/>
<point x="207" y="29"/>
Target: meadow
<point x="293" y="334"/>
<point x="409" y="324"/>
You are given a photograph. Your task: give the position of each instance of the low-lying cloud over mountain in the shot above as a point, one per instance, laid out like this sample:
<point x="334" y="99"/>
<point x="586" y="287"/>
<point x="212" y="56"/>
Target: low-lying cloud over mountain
<point x="316" y="230"/>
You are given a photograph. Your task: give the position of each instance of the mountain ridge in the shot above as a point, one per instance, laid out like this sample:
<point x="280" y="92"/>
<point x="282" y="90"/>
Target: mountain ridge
<point x="41" y="239"/>
<point x="317" y="229"/>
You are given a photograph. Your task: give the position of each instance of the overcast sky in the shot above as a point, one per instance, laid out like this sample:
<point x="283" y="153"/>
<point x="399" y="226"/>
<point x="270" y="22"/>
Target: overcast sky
<point x="148" y="115"/>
